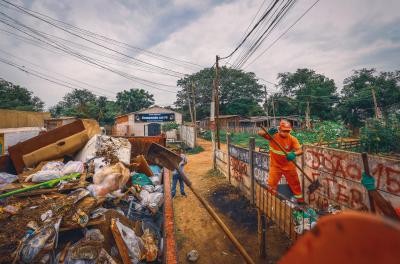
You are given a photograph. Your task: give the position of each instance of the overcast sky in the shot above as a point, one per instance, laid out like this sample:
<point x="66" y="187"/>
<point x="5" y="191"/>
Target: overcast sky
<point x="334" y="38"/>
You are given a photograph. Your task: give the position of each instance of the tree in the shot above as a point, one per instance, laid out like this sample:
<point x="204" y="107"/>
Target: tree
<point x="18" y="98"/>
<point x="315" y="93"/>
<point x="357" y="104"/>
<point x="78" y="103"/>
<point x="281" y="105"/>
<point x="84" y="104"/>
<point x="134" y="100"/>
<point x="236" y="88"/>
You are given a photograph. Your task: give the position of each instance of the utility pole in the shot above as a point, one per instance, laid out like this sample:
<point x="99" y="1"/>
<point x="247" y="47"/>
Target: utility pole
<point x="378" y="113"/>
<point x="189" y="105"/>
<point x="217" y="99"/>
<point x="212" y="124"/>
<point x="273" y="111"/>
<point x="308" y="124"/>
<point x="194" y="114"/>
<point x="265" y="100"/>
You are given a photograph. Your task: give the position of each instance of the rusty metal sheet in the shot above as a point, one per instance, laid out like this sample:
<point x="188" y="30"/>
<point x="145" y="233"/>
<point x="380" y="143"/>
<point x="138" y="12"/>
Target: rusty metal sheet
<point x="141" y="145"/>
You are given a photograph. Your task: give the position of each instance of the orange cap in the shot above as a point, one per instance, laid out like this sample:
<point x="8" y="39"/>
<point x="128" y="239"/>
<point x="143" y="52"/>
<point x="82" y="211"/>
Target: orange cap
<point x="285" y="125"/>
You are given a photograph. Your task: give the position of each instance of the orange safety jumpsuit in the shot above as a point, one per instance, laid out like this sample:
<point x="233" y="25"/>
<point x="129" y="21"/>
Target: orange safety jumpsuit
<point x="279" y="165"/>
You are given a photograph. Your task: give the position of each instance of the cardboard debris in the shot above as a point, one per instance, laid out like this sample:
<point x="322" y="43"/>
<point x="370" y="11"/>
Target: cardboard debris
<point x="95" y="217"/>
<point x="56" y="143"/>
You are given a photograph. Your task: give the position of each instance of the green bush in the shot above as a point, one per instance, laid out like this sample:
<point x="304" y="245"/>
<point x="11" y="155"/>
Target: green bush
<point x="326" y="131"/>
<point x="169" y="126"/>
<point x="381" y="136"/>
<point x="194" y="150"/>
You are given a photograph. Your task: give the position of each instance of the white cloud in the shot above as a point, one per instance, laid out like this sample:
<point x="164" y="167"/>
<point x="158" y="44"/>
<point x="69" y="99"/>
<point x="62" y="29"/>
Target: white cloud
<point x="334" y="38"/>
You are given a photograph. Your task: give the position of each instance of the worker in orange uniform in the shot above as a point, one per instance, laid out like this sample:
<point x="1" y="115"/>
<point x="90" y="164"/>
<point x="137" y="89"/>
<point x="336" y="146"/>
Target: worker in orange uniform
<point x="281" y="164"/>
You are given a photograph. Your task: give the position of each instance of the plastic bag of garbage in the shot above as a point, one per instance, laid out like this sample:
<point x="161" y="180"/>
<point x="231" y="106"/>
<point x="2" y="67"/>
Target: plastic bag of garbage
<point x="149" y="188"/>
<point x="133" y="243"/>
<point x="45" y="175"/>
<point x="72" y="167"/>
<point x="141" y="179"/>
<point x="42" y="241"/>
<point x="156" y="180"/>
<point x="109" y="179"/>
<point x="116" y="169"/>
<point x="159" y="188"/>
<point x="53" y="165"/>
<point x="152" y="200"/>
<point x="6" y="178"/>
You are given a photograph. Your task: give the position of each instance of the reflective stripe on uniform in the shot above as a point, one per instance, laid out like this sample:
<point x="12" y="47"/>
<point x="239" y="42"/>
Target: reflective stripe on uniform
<point x="298" y="196"/>
<point x="277" y="151"/>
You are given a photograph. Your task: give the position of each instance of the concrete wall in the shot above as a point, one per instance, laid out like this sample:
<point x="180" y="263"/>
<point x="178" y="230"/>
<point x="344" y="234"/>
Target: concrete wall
<point x="338" y="171"/>
<point x="187" y="134"/>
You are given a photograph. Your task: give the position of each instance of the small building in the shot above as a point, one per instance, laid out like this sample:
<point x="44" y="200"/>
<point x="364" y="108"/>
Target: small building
<point x="52" y="123"/>
<point x="225" y="122"/>
<point x="146" y="122"/>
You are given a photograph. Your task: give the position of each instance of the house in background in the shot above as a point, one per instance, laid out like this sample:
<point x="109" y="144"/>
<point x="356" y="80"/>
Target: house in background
<point x="146" y="122"/>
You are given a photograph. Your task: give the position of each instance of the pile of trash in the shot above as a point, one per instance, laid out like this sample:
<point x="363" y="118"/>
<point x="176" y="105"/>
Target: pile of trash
<point x="88" y="204"/>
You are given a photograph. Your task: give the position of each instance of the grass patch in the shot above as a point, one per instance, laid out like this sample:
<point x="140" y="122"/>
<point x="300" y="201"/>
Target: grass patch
<point x="194" y="150"/>
<point x="214" y="173"/>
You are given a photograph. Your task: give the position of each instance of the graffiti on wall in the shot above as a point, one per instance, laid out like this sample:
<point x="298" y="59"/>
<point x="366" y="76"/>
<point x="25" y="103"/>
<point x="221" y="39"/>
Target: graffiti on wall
<point x="239" y="169"/>
<point x="261" y="167"/>
<point x="239" y="153"/>
<point x="340" y="171"/>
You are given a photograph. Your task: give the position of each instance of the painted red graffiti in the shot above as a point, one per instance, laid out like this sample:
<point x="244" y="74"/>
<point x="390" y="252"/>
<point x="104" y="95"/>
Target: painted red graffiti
<point x="392" y="181"/>
<point x="339" y="165"/>
<point x="332" y="190"/>
<point x="239" y="169"/>
<point x="335" y="165"/>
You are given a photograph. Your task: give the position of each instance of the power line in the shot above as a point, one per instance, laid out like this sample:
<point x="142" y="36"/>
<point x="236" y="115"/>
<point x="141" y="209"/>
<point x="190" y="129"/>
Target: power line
<point x="84" y="38"/>
<point x="113" y="41"/>
<point x="251" y="31"/>
<point x="276" y="40"/>
<point x="40" y="76"/>
<point x="38" y="44"/>
<point x="248" y="27"/>
<point x="278" y="17"/>
<point x="72" y="79"/>
<point x="81" y="56"/>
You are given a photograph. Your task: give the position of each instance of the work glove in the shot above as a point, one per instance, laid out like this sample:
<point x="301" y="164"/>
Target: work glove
<point x="368" y="181"/>
<point x="272" y="131"/>
<point x="291" y="156"/>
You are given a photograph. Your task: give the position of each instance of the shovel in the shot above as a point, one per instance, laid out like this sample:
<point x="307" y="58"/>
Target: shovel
<point x="163" y="157"/>
<point x="47" y="184"/>
<point x="314" y="184"/>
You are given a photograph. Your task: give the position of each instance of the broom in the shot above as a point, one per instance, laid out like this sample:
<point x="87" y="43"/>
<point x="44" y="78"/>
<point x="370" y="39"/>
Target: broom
<point x="375" y="198"/>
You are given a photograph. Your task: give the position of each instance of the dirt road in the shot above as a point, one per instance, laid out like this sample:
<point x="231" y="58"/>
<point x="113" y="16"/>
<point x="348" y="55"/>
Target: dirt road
<point x="196" y="229"/>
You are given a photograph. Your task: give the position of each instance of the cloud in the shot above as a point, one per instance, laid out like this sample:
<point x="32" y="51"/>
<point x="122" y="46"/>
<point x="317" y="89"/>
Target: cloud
<point x="334" y="38"/>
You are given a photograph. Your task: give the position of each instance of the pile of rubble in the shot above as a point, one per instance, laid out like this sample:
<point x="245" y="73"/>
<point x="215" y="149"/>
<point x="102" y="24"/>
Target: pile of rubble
<point x="76" y="196"/>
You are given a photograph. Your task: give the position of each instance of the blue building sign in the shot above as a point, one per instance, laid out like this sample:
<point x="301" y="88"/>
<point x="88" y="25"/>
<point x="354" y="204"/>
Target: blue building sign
<point x="155" y="117"/>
